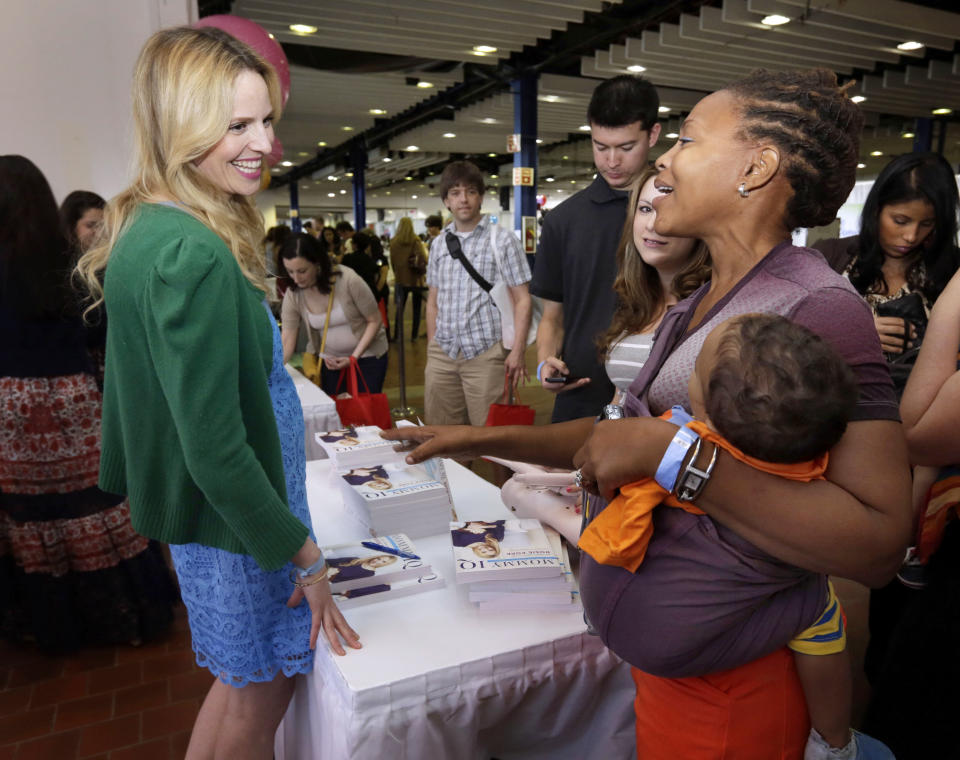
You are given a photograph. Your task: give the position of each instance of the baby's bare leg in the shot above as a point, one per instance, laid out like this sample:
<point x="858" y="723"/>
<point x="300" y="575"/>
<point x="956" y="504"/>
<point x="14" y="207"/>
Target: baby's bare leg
<point x="828" y="687"/>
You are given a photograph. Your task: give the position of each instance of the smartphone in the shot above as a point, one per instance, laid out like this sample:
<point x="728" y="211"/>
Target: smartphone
<point x="562" y="379"/>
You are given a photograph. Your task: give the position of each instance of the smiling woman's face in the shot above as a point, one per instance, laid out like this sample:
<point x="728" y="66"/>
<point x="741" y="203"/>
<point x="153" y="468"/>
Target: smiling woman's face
<point x="665" y="254"/>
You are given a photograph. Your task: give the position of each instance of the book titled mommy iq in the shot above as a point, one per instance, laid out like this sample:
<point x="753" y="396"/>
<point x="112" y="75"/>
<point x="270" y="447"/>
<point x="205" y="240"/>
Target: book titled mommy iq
<point x="502" y="549"/>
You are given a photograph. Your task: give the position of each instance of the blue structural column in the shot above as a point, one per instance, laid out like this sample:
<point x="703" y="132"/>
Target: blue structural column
<point x="296" y="224"/>
<point x="525" y="124"/>
<point x="358" y="165"/>
<point x="924" y="135"/>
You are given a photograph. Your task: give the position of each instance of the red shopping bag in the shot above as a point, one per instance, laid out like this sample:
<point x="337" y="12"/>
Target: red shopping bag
<point x="361" y="408"/>
<point x="506" y="412"/>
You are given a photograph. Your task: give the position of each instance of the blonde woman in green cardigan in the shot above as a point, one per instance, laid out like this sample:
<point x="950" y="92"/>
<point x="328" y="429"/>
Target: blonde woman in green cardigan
<point x="201" y="427"/>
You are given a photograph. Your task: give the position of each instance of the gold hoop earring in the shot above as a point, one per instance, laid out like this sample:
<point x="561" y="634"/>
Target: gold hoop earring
<point x="744" y="193"/>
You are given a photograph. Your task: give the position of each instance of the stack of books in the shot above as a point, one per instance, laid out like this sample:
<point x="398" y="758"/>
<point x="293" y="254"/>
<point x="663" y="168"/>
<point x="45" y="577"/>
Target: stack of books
<point x="358" y="446"/>
<point x="385" y="567"/>
<point x="390" y="498"/>
<point x="514" y="565"/>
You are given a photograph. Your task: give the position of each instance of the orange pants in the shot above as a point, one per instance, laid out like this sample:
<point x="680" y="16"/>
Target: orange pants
<point x="754" y="712"/>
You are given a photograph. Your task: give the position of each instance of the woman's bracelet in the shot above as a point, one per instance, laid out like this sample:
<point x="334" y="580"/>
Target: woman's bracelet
<point x="669" y="467"/>
<point x="295" y="579"/>
<point x="539" y="370"/>
<point x="693" y="480"/>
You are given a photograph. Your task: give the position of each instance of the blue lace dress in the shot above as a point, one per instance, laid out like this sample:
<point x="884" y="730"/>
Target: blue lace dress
<point x="241" y="628"/>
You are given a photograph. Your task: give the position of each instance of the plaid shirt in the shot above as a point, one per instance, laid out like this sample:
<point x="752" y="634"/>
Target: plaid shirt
<point x="468" y="322"/>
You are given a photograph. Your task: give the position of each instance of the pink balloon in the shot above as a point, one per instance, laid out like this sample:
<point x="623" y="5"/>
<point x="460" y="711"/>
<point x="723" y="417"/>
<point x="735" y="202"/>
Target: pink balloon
<point x="276" y="152"/>
<point x="259" y="39"/>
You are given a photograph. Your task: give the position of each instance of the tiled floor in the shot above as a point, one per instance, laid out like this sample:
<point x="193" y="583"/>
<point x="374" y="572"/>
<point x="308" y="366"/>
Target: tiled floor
<point x="139" y="703"/>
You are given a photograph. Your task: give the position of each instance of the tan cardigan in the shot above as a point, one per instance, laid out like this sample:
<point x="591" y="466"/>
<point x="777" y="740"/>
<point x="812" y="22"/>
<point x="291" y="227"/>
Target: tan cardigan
<point x="357" y="302"/>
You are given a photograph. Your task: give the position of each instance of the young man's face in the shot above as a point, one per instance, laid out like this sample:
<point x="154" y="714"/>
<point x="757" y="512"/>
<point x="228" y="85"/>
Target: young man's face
<point x="464" y="203"/>
<point x="620" y="153"/>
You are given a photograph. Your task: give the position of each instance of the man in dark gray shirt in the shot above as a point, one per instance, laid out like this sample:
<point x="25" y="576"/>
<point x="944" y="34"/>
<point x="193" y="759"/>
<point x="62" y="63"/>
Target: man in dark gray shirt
<point x="576" y="261"/>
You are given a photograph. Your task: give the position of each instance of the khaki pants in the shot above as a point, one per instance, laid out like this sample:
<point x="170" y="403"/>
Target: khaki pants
<point x="460" y="391"/>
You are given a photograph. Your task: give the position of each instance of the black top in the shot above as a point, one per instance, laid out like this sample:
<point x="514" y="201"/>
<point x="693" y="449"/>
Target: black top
<point x="576" y="265"/>
<point x="47" y="347"/>
<point x="364" y="266"/>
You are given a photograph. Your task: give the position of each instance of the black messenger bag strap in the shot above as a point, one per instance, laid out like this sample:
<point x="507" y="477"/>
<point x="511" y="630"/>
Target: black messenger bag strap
<point x="453" y="245"/>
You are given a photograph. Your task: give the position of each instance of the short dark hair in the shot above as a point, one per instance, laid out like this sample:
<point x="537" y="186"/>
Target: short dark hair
<point x="816" y="126"/>
<point x="778" y="392"/>
<point x="912" y="176"/>
<point x="623" y="100"/>
<point x="343" y="226"/>
<point x="463" y="173"/>
<point x="434" y="220"/>
<point x="74" y="206"/>
<point x="366" y="241"/>
<point x="314" y="250"/>
<point x="308" y="225"/>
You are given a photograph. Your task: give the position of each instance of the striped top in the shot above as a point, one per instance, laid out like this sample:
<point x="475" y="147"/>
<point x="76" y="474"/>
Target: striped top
<point x="626" y="357"/>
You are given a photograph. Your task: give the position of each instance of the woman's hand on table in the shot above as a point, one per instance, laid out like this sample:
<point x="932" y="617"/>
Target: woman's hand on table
<point x="336" y="362"/>
<point x="620" y="452"/>
<point x="891" y="330"/>
<point x="428" y="441"/>
<point x="326" y="615"/>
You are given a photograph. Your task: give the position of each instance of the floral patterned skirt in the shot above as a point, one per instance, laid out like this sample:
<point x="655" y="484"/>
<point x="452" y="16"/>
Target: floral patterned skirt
<point x="73" y="571"/>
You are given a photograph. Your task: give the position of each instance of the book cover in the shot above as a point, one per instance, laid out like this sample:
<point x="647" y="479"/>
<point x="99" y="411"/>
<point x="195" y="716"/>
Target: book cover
<point x="354" y="565"/>
<point x="502" y="549"/>
<point x="383" y="591"/>
<point x="357" y="445"/>
<point x="382" y="484"/>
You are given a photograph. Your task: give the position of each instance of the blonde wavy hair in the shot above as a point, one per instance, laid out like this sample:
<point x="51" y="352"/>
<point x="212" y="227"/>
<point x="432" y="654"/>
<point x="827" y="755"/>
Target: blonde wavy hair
<point x="183" y="96"/>
<point x="405" y="234"/>
<point x="640" y="297"/>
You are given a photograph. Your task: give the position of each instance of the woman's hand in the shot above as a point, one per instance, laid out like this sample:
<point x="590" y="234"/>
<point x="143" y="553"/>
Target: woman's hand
<point x="430" y="441"/>
<point x="891" y="330"/>
<point x="336" y="362"/>
<point x="622" y="451"/>
<point x="325" y="615"/>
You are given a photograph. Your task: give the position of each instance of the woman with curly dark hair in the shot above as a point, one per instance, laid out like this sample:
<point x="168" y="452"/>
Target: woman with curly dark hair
<point x="767" y="154"/>
<point x="81" y="215"/>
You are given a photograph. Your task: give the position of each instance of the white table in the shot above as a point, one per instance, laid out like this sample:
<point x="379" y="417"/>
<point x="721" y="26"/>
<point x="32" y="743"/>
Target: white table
<point x="438" y="679"/>
<point x="319" y="412"/>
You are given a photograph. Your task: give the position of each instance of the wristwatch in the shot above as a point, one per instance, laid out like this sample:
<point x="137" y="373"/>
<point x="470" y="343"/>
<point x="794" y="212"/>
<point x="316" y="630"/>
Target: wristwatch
<point x="612" y="412"/>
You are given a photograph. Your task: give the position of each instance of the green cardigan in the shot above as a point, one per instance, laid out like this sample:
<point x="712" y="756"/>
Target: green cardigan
<point x="189" y="432"/>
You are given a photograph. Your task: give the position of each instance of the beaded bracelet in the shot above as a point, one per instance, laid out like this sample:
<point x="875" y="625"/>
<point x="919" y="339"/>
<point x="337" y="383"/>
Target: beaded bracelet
<point x="300" y="584"/>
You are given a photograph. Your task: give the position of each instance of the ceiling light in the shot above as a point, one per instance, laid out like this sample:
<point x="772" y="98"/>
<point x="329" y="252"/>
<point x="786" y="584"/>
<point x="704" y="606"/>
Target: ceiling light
<point x="377" y="111"/>
<point x="876" y="153"/>
<point x="858" y="98"/>
<point x="774" y="19"/>
<point x="636" y="68"/>
<point x="908" y="135"/>
<point x="942" y="111"/>
<point x="671" y="135"/>
<point x="331" y="195"/>
<point x="550" y="98"/>
<point x="565" y="158"/>
<point x="388" y="192"/>
<point x="322" y="144"/>
<point x="484" y="49"/>
<point x="387" y="159"/>
<point x="559" y="192"/>
<point x="343" y="192"/>
<point x="494" y="176"/>
<point x="489" y="120"/>
<point x="449" y="134"/>
<point x="539" y="141"/>
<point x="414" y="197"/>
<point x="551" y="179"/>
<point x="424" y="85"/>
<point x="573" y="182"/>
<point x="303" y="153"/>
<point x="303" y="29"/>
<point x="347" y="129"/>
<point x="584" y="127"/>
<point x="491" y="155"/>
<point x="412" y="148"/>
<point x="910" y="45"/>
<point x="408" y="179"/>
<point x="332" y="177"/>
<point x="663" y="109"/>
<point x="270" y="35"/>
<point x="348" y="174"/>
<point x="861" y="166"/>
<point x="286" y="163"/>
<point x="304" y="187"/>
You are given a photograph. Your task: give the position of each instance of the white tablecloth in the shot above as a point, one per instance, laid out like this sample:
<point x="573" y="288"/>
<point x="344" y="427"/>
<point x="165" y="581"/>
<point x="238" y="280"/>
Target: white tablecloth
<point x="438" y="679"/>
<point x="319" y="412"/>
